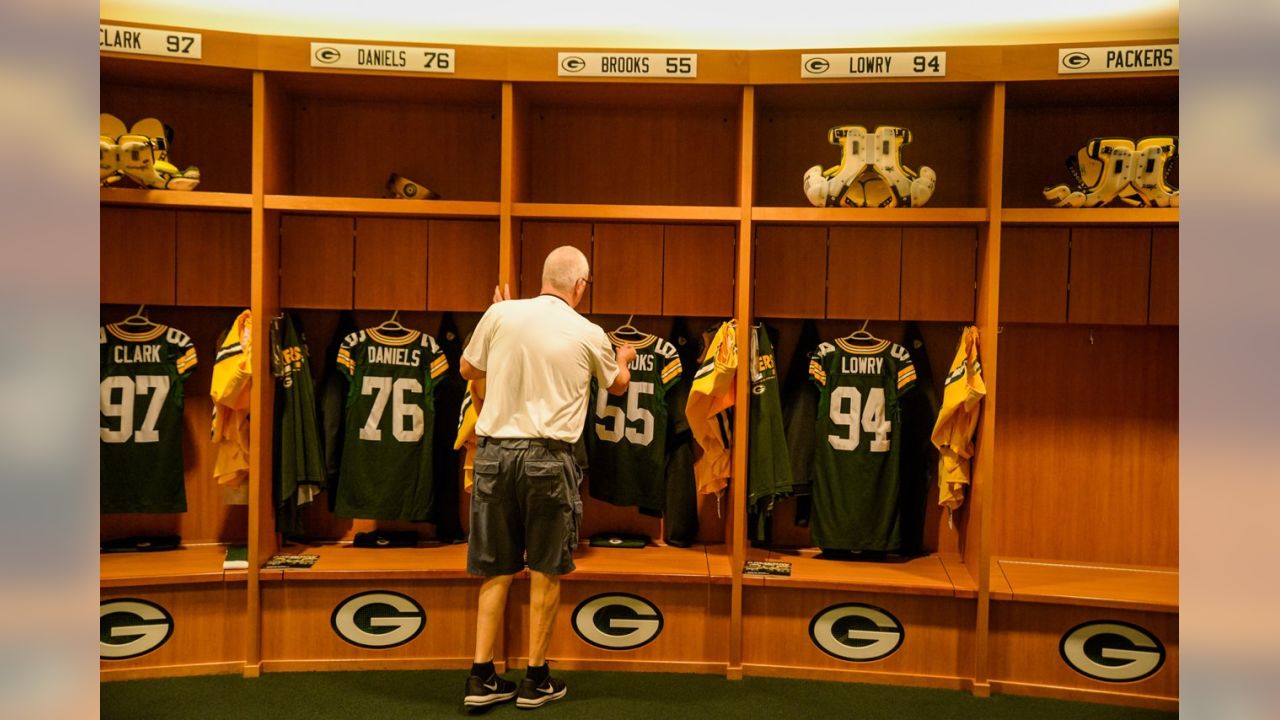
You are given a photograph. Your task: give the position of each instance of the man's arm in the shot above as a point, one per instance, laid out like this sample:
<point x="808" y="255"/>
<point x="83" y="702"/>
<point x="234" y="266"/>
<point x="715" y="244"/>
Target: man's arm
<point x="625" y="354"/>
<point x="469" y="371"/>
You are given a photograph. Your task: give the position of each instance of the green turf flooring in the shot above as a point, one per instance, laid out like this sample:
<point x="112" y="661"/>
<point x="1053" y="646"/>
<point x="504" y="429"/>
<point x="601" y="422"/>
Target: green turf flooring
<point x="613" y="696"/>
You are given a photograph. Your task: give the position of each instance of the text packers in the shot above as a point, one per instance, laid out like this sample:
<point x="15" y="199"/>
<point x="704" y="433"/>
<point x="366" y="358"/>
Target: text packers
<point x="1153" y="58"/>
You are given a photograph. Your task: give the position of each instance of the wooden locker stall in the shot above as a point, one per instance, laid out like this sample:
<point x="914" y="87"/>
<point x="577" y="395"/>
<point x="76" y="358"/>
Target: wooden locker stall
<point x="186" y="257"/>
<point x="1087" y="413"/>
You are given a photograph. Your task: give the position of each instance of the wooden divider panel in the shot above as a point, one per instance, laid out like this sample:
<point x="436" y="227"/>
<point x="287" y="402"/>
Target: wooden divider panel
<point x="463" y="264"/>
<point x="864" y="273"/>
<point x="1088" y="445"/>
<point x="540" y="238"/>
<point x="627" y="269"/>
<point x="316" y="258"/>
<point x="939" y="270"/>
<point x="1110" y="271"/>
<point x="791" y="271"/>
<point x="213" y="259"/>
<point x="138" y="256"/>
<point x="1164" y="277"/>
<point x="1033" y="274"/>
<point x="391" y="264"/>
<point x="697" y="270"/>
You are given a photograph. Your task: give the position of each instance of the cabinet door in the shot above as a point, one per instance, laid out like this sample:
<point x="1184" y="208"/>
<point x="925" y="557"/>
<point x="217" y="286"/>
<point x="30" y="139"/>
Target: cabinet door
<point x="463" y="266"/>
<point x="627" y="266"/>
<point x="698" y="270"/>
<point x="316" y="261"/>
<point x="790" y="268"/>
<point x="864" y="273"/>
<point x="1110" y="269"/>
<point x="137" y="262"/>
<point x="213" y="259"/>
<point x="537" y="239"/>
<point x="939" y="271"/>
<point x="391" y="264"/>
<point x="1033" y="274"/>
<point x="1164" y="277"/>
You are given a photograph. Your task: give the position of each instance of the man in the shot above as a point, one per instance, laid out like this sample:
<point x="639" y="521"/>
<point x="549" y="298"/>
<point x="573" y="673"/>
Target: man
<point x="537" y="358"/>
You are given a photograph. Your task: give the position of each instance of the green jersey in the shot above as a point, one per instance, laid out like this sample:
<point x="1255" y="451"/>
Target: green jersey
<point x="140" y="417"/>
<point x="856" y="482"/>
<point x="627" y="436"/>
<point x="386" y="471"/>
<point x="768" y="464"/>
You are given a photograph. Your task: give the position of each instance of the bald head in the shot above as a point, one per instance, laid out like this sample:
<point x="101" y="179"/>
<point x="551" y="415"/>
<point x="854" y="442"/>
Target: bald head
<point x="564" y="267"/>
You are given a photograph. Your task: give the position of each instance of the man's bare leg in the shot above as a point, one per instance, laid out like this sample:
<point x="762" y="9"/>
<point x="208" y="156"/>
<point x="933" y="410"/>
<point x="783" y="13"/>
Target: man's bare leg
<point x="544" y="602"/>
<point x="493" y="602"/>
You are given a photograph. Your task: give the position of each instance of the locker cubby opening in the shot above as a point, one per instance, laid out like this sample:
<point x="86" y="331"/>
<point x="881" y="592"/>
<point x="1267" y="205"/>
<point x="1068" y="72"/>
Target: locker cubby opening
<point x="1046" y="122"/>
<point x="1087" y="434"/>
<point x="343" y="262"/>
<point x="208" y="519"/>
<point x="210" y="110"/>
<point x="661" y="269"/>
<point x="627" y="144"/>
<point x="922" y="273"/>
<point x="946" y="121"/>
<point x="341" y="135"/>
<point x="324" y="331"/>
<point x="924" y="524"/>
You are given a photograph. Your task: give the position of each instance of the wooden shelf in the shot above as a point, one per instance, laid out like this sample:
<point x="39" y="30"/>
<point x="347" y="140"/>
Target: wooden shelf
<point x="1090" y="216"/>
<point x="449" y="562"/>
<point x="655" y="563"/>
<point x="674" y="213"/>
<point x="381" y="206"/>
<point x="174" y="198"/>
<point x="186" y="565"/>
<point x="927" y="575"/>
<point x="347" y="562"/>
<point x="871" y="216"/>
<point x="1087" y="584"/>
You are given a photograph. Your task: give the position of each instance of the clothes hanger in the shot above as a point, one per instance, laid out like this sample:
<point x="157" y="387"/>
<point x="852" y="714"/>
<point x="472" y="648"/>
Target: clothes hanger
<point x="862" y="335"/>
<point x="138" y="319"/>
<point x="390" y="325"/>
<point x="628" y="329"/>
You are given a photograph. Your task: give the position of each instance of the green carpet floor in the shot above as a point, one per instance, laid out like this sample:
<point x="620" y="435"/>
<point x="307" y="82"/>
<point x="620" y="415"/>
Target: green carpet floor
<point x="615" y="696"/>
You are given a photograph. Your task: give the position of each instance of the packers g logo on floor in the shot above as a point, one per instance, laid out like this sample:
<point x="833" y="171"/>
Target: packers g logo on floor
<point x="856" y="632"/>
<point x="617" y="621"/>
<point x="378" y="619"/>
<point x="1112" y="651"/>
<point x="130" y="627"/>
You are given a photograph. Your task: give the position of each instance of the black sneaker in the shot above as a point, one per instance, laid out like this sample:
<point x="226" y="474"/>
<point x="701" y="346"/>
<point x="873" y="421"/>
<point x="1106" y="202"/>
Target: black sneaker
<point x="533" y="695"/>
<point x="483" y="693"/>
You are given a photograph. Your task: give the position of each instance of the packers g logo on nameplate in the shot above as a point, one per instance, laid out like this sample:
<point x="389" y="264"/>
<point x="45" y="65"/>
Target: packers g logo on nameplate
<point x="378" y="619"/>
<point x="617" y="621"/>
<point x="1112" y="651"/>
<point x="130" y="627"/>
<point x="856" y="632"/>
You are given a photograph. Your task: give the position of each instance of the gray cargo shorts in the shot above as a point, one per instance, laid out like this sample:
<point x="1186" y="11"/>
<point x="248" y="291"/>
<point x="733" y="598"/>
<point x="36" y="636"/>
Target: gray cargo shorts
<point x="524" y="500"/>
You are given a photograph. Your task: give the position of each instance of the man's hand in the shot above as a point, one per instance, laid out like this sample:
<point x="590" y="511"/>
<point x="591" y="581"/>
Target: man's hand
<point x="625" y="354"/>
<point x="501" y="293"/>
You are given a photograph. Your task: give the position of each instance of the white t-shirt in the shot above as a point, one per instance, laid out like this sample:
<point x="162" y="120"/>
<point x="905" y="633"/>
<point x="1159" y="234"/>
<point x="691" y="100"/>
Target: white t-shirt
<point x="538" y="356"/>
